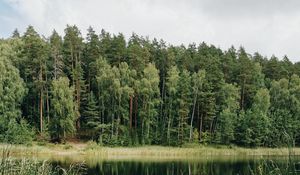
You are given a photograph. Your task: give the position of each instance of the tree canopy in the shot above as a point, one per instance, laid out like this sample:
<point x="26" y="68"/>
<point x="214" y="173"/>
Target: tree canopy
<point x="133" y="91"/>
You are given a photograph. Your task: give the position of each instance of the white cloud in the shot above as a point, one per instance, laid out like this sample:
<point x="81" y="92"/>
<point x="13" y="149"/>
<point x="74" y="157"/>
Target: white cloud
<point x="270" y="27"/>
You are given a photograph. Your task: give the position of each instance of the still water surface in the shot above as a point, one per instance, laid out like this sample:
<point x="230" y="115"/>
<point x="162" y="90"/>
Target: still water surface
<point x="228" y="165"/>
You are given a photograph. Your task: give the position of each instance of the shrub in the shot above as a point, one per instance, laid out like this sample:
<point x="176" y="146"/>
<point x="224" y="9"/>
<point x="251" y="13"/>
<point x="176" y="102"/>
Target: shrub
<point x="17" y="133"/>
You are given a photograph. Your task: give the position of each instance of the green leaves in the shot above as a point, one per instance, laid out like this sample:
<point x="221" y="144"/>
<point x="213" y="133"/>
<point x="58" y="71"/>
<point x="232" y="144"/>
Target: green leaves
<point x="12" y="90"/>
<point x="148" y="90"/>
<point x="256" y="123"/>
<point x="63" y="109"/>
<point x="228" y="116"/>
<point x="145" y="91"/>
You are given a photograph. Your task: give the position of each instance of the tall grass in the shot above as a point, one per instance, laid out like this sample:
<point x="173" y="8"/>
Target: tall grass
<point x="24" y="166"/>
<point x="271" y="167"/>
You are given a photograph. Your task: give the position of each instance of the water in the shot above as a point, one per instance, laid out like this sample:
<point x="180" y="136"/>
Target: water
<point x="207" y="166"/>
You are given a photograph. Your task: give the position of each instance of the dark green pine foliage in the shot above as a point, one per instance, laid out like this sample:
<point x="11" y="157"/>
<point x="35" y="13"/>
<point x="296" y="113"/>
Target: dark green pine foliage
<point x="73" y="48"/>
<point x="90" y="55"/>
<point x="256" y="122"/>
<point x="56" y="55"/>
<point x="34" y="56"/>
<point x="91" y="119"/>
<point x="184" y="107"/>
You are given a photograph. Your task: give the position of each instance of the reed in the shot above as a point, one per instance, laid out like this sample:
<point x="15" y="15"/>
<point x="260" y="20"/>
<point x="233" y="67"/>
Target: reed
<point x="24" y="166"/>
<point x="144" y="151"/>
<point x="291" y="166"/>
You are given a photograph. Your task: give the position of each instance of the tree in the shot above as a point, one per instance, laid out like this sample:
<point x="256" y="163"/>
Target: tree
<point x="91" y="116"/>
<point x="56" y="55"/>
<point x="104" y="76"/>
<point x="256" y="123"/>
<point x="13" y="128"/>
<point x="142" y="91"/>
<point x="16" y="34"/>
<point x="72" y="48"/>
<point x="91" y="54"/>
<point x="228" y="116"/>
<point x="172" y="84"/>
<point x="185" y="102"/>
<point x="229" y="62"/>
<point x="137" y="55"/>
<point x="12" y="90"/>
<point x="35" y="56"/>
<point x="149" y="94"/>
<point x="197" y="82"/>
<point x="293" y="125"/>
<point x="63" y="109"/>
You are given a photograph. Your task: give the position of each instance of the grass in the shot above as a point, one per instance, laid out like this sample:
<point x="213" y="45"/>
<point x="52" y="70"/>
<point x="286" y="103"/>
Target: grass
<point x="14" y="166"/>
<point x="155" y="152"/>
<point x="271" y="167"/>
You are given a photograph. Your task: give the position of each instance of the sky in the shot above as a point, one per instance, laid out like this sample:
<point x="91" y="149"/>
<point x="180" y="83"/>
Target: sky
<point x="265" y="26"/>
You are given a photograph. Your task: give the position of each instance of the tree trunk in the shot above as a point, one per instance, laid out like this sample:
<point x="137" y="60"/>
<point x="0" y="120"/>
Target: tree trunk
<point x="199" y="121"/>
<point x="113" y="118"/>
<point x="193" y="113"/>
<point x="130" y="113"/>
<point x="169" y="124"/>
<point x="48" y="107"/>
<point x="136" y="111"/>
<point x="55" y="66"/>
<point x="162" y="99"/>
<point x="201" y="126"/>
<point x="41" y="111"/>
<point x="41" y="98"/>
<point x="47" y="102"/>
<point x="243" y="95"/>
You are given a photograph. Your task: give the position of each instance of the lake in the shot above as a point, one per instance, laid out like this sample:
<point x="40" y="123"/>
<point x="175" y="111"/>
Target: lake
<point x="224" y="165"/>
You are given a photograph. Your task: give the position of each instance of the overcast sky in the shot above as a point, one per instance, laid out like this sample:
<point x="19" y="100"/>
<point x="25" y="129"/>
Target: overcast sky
<point x="267" y="26"/>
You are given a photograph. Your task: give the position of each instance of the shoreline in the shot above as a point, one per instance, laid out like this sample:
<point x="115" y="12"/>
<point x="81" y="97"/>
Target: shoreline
<point x="141" y="152"/>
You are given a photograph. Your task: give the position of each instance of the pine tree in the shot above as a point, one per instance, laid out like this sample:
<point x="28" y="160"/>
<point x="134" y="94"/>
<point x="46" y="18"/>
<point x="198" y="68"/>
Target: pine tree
<point x="72" y="48"/>
<point x="185" y="102"/>
<point x="35" y="54"/>
<point x="91" y="116"/>
<point x="56" y="55"/>
<point x="91" y="54"/>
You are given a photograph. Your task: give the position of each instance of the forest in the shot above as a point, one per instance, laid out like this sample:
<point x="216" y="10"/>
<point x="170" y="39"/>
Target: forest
<point x="140" y="91"/>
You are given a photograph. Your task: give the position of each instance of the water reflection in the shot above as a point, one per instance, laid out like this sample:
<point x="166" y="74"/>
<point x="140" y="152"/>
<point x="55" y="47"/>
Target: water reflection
<point x="206" y="166"/>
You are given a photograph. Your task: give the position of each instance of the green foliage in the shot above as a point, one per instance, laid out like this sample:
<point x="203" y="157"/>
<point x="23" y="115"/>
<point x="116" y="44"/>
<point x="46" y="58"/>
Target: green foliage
<point x="148" y="90"/>
<point x="256" y="122"/>
<point x="184" y="106"/>
<point x="12" y="91"/>
<point x="63" y="109"/>
<point x="228" y="115"/>
<point x="17" y="133"/>
<point x="144" y="92"/>
<point x="172" y="88"/>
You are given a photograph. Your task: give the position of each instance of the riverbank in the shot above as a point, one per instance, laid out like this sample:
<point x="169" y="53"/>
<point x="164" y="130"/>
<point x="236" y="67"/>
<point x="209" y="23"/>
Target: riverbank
<point x="152" y="152"/>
